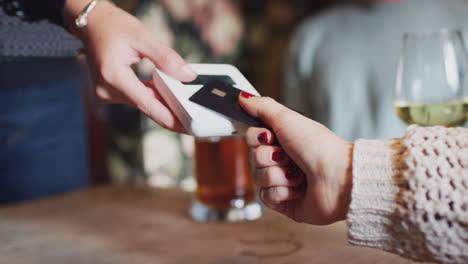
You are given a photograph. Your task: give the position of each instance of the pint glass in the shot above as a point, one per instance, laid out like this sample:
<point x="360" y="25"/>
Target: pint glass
<point x="223" y="171"/>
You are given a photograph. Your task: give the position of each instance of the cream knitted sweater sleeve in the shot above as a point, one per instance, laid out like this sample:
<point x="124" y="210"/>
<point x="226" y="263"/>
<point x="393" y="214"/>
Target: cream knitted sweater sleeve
<point x="410" y="195"/>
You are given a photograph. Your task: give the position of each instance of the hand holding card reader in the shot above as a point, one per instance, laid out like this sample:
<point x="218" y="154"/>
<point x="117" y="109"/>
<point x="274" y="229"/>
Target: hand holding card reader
<point x="208" y="106"/>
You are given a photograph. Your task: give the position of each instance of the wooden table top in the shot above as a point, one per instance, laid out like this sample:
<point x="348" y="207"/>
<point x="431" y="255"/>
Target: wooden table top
<point x="144" y="225"/>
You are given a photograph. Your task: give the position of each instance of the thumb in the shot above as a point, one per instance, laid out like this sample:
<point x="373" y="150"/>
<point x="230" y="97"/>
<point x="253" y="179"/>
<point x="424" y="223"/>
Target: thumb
<point x="265" y="108"/>
<point x="166" y="59"/>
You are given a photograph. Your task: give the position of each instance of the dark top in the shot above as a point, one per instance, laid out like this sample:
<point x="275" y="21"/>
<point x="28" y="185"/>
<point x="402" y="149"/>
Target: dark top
<point x="34" y="28"/>
<point x="31" y="10"/>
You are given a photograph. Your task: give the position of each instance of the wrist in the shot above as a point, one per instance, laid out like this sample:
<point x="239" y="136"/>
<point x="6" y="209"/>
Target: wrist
<point x="74" y="8"/>
<point x="339" y="169"/>
<point x="71" y="11"/>
<point x="347" y="178"/>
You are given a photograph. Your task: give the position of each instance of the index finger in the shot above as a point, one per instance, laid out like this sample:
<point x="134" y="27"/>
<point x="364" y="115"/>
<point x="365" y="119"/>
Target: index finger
<point x="165" y="58"/>
<point x="147" y="100"/>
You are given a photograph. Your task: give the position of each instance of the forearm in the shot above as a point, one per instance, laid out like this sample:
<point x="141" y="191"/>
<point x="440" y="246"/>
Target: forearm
<point x="408" y="193"/>
<point x="74" y="8"/>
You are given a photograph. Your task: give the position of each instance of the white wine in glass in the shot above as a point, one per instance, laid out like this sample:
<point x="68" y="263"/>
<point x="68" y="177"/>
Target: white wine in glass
<point x="432" y="114"/>
<point x="431" y="86"/>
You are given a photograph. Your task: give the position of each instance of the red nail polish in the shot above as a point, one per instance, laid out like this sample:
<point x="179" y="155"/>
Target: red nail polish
<point x="263" y="138"/>
<point x="277" y="156"/>
<point x="246" y="95"/>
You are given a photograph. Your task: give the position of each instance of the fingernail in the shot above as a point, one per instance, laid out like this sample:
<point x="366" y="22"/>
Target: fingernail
<point x="277" y="156"/>
<point x="187" y="70"/>
<point x="263" y="138"/>
<point x="246" y="95"/>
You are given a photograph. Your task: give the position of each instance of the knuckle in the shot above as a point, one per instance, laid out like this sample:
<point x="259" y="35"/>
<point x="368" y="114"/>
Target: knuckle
<point x="269" y="109"/>
<point x="282" y="114"/>
<point x="106" y="72"/>
<point x="261" y="156"/>
<point x="140" y="101"/>
<point x="102" y="95"/>
<point x="281" y="121"/>
<point x="163" y="60"/>
<point x="250" y="136"/>
<point x="262" y="193"/>
<point x="143" y="106"/>
<point x="167" y="58"/>
<point x="268" y="100"/>
<point x="101" y="92"/>
<point x="268" y="176"/>
<point x="257" y="177"/>
<point x="275" y="195"/>
<point x="257" y="153"/>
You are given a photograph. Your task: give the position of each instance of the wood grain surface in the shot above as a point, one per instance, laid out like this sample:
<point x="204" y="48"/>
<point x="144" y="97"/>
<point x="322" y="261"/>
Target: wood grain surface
<point x="144" y="225"/>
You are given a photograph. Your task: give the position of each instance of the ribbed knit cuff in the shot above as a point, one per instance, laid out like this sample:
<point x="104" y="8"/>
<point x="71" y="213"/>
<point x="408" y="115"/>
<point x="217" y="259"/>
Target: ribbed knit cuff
<point x="376" y="180"/>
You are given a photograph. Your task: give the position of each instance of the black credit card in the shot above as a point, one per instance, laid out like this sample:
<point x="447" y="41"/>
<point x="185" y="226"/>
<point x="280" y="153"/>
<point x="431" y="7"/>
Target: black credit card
<point x="222" y="97"/>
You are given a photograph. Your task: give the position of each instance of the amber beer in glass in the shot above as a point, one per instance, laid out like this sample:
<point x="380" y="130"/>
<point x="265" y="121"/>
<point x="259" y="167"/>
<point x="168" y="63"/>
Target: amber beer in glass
<point x="225" y="191"/>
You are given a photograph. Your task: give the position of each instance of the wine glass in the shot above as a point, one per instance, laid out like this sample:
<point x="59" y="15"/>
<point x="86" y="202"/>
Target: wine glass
<point x="431" y="86"/>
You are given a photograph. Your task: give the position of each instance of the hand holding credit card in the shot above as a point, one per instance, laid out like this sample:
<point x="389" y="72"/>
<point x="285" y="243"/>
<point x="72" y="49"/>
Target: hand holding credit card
<point x="222" y="97"/>
<point x="218" y="114"/>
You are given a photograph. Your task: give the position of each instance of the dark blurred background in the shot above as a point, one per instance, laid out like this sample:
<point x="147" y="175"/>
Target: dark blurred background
<point x="125" y="145"/>
<point x="333" y="60"/>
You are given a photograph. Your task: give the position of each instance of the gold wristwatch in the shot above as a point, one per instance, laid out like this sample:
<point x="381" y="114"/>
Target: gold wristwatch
<point x="82" y="20"/>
